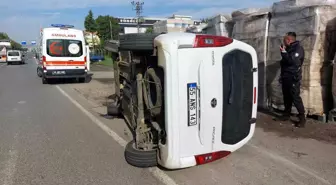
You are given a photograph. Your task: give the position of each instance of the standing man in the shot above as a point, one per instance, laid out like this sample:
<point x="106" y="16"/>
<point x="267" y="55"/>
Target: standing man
<point x="292" y="54"/>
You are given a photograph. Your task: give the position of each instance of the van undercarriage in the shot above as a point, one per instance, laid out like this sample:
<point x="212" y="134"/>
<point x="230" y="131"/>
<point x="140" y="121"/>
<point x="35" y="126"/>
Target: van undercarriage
<point x="139" y="98"/>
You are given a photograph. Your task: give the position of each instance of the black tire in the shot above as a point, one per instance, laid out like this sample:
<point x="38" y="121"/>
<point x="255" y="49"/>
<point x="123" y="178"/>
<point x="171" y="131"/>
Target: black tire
<point x="44" y="80"/>
<point x="152" y="79"/>
<point x="82" y="80"/>
<point x="137" y="41"/>
<point x="9" y="63"/>
<point x="39" y="73"/>
<point x="113" y="109"/>
<point x="140" y="158"/>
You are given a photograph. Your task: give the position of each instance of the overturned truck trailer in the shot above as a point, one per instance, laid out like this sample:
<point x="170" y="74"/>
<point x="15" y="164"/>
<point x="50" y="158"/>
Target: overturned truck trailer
<point x="251" y="26"/>
<point x="219" y="25"/>
<point x="315" y="28"/>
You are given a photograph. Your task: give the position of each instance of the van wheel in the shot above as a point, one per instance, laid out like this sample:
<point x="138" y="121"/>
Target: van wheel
<point x="137" y="41"/>
<point x="140" y="158"/>
<point x="114" y="108"/>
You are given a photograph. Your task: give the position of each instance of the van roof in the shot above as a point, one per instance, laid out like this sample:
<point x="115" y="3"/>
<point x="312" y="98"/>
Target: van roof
<point x="13" y="51"/>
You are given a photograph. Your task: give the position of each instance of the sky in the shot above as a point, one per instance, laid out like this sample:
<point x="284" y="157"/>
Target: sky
<point x="22" y="19"/>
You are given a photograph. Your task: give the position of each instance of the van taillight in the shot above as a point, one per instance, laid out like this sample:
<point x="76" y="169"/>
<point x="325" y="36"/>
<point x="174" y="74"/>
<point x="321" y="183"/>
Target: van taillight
<point x="202" y="41"/>
<point x="254" y="95"/>
<point x="206" y="158"/>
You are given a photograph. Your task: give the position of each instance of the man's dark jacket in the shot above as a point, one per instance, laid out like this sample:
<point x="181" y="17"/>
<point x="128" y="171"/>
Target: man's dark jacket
<point x="292" y="61"/>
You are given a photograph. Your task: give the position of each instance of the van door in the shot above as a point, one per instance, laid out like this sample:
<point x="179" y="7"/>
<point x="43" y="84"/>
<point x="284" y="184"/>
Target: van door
<point x="238" y="89"/>
<point x="226" y="79"/>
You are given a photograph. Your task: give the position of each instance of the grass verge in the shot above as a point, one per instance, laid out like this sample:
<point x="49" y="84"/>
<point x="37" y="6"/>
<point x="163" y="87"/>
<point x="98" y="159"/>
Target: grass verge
<point x="107" y="62"/>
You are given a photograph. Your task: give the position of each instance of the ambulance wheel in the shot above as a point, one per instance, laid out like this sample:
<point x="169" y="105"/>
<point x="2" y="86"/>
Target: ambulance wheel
<point x="82" y="80"/>
<point x="39" y="73"/>
<point x="137" y="41"/>
<point x="140" y="158"/>
<point x="44" y="80"/>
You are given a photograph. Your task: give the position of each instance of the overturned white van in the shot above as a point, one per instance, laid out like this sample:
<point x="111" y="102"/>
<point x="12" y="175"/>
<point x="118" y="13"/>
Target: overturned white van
<point x="190" y="99"/>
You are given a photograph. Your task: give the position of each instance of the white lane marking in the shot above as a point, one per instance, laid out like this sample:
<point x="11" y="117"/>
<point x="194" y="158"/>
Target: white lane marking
<point x="290" y="164"/>
<point x="159" y="174"/>
<point x="2" y="65"/>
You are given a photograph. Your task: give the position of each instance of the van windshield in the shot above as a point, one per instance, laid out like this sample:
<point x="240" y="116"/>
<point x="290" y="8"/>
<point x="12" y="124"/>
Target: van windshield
<point x="64" y="48"/>
<point x="13" y="54"/>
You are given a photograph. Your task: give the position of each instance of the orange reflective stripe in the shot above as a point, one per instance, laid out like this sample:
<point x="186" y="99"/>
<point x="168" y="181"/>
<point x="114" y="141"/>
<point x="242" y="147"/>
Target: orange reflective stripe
<point x="65" y="63"/>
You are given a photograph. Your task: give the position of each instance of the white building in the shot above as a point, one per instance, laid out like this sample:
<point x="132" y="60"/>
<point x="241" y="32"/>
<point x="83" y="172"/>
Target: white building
<point x="129" y="24"/>
<point x="176" y="23"/>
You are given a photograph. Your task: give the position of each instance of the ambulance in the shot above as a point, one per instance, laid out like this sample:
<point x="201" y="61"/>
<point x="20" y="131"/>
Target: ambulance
<point x="62" y="53"/>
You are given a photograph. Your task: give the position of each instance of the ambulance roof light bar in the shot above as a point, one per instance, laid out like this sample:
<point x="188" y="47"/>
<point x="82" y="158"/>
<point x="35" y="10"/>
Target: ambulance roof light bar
<point x="62" y="26"/>
<point x="204" y="41"/>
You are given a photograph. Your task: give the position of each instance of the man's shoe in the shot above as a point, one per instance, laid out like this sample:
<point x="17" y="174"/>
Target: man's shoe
<point x="284" y="117"/>
<point x="302" y="122"/>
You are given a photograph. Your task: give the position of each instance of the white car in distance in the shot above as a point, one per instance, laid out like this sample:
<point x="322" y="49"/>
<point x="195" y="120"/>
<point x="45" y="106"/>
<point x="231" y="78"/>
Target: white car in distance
<point x="14" y="56"/>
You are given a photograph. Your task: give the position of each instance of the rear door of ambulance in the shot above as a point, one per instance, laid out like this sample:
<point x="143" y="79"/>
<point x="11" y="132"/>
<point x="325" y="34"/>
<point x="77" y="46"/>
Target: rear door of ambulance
<point x="64" y="50"/>
<point x="217" y="98"/>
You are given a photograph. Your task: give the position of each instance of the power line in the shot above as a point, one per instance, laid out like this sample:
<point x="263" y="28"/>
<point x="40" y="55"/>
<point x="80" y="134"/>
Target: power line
<point x="138" y="7"/>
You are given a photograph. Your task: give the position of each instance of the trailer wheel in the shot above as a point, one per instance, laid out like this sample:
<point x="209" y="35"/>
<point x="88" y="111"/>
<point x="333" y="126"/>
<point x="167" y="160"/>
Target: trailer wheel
<point x="137" y="41"/>
<point x="140" y="158"/>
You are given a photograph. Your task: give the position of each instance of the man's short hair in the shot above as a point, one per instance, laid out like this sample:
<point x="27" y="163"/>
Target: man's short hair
<point x="292" y="34"/>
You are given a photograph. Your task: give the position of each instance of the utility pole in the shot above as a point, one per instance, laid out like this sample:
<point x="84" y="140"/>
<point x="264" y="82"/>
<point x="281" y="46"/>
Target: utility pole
<point x="111" y="29"/>
<point x="137" y="6"/>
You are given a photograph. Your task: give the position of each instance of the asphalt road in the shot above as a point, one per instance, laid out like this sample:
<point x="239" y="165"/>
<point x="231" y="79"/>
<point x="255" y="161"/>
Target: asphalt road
<point x="50" y="134"/>
<point x="45" y="139"/>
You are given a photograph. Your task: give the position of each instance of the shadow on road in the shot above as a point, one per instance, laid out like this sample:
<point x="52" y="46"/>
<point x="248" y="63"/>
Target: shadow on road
<point x="69" y="81"/>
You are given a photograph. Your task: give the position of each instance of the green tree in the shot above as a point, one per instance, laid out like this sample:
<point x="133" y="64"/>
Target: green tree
<point x="3" y="35"/>
<point x="107" y="28"/>
<point x="149" y="30"/>
<point x="90" y="23"/>
<point x="14" y="44"/>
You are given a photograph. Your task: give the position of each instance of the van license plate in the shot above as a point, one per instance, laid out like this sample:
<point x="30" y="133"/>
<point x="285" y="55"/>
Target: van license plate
<point x="58" y="72"/>
<point x="192" y="104"/>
